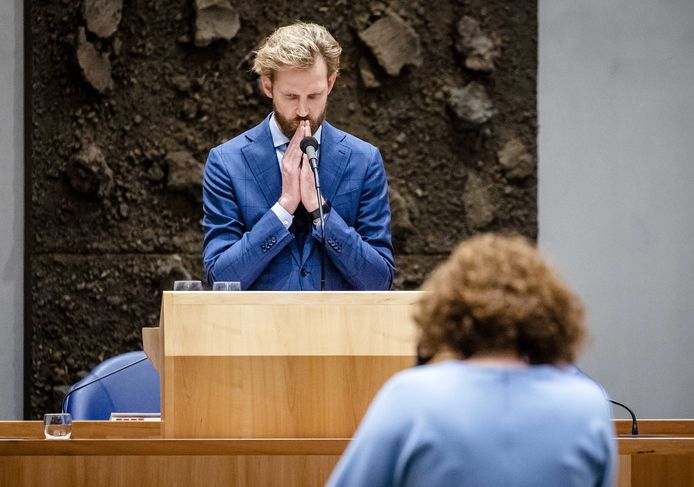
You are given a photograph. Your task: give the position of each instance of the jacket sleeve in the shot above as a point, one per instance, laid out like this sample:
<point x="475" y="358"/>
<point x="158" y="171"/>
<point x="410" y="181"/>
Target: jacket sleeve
<point x="232" y="252"/>
<point x="364" y="253"/>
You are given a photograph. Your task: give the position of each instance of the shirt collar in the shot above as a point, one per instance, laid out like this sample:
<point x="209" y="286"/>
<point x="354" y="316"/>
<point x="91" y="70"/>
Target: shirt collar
<point x="279" y="139"/>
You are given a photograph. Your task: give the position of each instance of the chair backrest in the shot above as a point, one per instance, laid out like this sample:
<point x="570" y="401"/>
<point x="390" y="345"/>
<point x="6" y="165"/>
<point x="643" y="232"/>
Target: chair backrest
<point x="134" y="389"/>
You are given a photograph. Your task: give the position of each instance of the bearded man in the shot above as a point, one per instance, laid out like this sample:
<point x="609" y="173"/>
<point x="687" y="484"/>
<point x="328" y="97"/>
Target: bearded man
<point x="261" y="215"/>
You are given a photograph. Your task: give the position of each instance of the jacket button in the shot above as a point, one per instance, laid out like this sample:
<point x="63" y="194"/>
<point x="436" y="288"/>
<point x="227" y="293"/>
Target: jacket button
<point x="303" y="273"/>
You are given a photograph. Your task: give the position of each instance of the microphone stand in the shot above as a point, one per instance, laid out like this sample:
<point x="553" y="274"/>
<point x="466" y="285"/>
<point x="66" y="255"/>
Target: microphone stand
<point x="314" y="167"/>
<point x="634" y="424"/>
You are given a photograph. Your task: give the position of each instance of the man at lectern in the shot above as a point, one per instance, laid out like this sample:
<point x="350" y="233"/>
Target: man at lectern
<point x="261" y="216"/>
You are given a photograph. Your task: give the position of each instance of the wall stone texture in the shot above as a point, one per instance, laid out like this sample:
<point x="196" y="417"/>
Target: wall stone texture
<point x="128" y="96"/>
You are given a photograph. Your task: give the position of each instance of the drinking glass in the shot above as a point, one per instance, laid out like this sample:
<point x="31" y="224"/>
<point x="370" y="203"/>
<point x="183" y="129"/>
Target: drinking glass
<point x="57" y="426"/>
<point x="187" y="286"/>
<point x="226" y="286"/>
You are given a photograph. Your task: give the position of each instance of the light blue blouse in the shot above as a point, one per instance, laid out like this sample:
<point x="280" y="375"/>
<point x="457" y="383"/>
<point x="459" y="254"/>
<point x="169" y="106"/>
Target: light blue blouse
<point x="457" y="424"/>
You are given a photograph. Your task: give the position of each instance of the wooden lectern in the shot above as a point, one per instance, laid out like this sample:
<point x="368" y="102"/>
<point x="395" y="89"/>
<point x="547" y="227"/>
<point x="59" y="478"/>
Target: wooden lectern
<point x="276" y="364"/>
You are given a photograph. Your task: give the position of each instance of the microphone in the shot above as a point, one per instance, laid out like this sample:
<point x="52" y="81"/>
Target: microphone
<point x="634" y="424"/>
<point x="309" y="146"/>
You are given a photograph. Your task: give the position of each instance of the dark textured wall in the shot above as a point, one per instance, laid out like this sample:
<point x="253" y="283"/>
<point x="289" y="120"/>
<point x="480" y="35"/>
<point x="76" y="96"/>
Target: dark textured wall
<point x="126" y="101"/>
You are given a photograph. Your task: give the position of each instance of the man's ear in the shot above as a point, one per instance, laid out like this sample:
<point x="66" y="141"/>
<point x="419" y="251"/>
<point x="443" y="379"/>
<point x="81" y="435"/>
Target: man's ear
<point x="266" y="85"/>
<point x="331" y="82"/>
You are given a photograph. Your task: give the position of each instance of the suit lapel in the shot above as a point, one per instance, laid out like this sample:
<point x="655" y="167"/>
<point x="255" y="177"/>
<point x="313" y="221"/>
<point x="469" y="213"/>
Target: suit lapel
<point x="261" y="158"/>
<point x="333" y="160"/>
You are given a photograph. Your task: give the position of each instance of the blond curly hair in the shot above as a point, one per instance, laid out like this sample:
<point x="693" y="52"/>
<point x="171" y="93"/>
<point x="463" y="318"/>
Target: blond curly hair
<point x="297" y="46"/>
<point x="497" y="293"/>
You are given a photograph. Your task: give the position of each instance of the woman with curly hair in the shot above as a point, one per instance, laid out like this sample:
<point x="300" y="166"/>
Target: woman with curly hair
<point x="496" y="406"/>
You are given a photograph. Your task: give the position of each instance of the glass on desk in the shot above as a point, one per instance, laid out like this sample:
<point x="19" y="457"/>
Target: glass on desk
<point x="187" y="286"/>
<point x="226" y="286"/>
<point x="57" y="426"/>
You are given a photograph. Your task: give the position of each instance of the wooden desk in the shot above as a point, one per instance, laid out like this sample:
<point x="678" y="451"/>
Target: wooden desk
<point x="664" y="459"/>
<point x="134" y="454"/>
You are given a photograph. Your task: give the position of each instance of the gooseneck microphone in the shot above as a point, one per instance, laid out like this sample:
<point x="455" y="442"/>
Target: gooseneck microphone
<point x="309" y="146"/>
<point x="634" y="424"/>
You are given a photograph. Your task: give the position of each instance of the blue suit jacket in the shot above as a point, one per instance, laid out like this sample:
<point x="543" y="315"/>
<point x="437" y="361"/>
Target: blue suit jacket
<point x="246" y="242"/>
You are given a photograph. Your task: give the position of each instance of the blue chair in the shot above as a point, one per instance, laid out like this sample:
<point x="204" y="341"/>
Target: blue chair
<point x="133" y="389"/>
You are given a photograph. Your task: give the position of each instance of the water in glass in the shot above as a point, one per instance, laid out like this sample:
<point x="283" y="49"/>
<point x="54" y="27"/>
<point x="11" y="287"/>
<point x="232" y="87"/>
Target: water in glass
<point x="57" y="426"/>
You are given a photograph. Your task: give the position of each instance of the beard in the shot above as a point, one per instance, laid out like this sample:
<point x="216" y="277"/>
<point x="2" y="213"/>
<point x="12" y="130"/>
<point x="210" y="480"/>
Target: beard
<point x="289" y="126"/>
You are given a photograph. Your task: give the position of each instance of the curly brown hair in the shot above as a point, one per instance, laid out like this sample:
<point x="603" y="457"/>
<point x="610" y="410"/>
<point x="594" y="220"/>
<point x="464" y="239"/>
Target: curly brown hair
<point x="497" y="293"/>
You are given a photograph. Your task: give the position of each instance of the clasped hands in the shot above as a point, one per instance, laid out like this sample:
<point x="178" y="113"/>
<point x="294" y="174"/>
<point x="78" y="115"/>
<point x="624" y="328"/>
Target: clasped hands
<point x="298" y="184"/>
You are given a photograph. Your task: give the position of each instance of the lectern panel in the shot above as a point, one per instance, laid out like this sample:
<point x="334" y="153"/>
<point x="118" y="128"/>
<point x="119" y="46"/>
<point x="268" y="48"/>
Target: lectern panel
<point x="289" y="324"/>
<point x="275" y="397"/>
